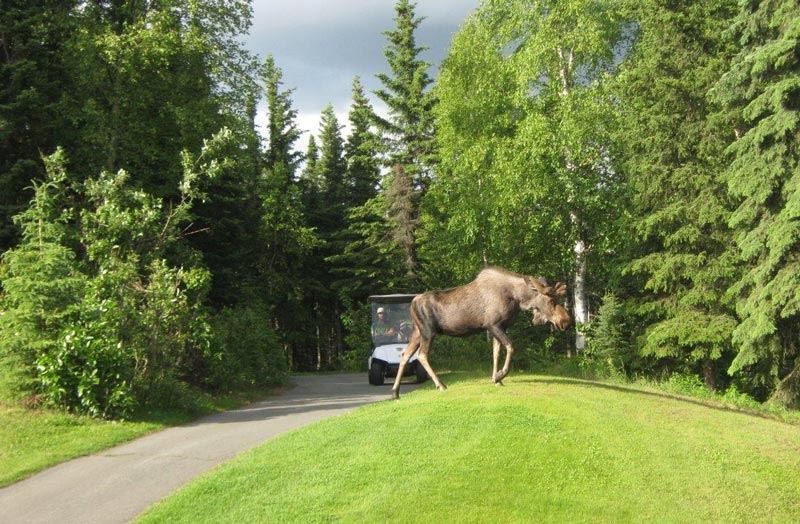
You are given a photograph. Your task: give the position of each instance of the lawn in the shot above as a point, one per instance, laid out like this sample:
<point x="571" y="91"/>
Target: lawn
<point x="31" y="440"/>
<point x="541" y="449"/>
<point x="34" y="439"/>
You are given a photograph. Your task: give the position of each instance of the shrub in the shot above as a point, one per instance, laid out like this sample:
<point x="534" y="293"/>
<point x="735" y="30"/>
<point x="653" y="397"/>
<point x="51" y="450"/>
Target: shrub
<point x="245" y="350"/>
<point x="608" y="343"/>
<point x="98" y="335"/>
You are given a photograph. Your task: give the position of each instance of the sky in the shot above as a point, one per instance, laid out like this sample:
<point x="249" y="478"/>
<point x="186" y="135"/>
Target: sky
<point x="321" y="45"/>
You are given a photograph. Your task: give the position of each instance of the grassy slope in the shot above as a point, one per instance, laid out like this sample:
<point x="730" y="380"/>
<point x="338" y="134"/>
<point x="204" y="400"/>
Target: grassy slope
<point x="538" y="450"/>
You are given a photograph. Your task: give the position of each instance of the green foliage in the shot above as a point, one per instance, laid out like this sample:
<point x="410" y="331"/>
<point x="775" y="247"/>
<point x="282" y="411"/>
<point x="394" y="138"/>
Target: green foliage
<point x="358" y="340"/>
<point x="680" y="245"/>
<point x="759" y="93"/>
<point x="33" y="80"/>
<point x="43" y="288"/>
<point x="609" y="338"/>
<point x="408" y="132"/>
<point x="524" y="124"/>
<point x="245" y="350"/>
<point x="134" y="320"/>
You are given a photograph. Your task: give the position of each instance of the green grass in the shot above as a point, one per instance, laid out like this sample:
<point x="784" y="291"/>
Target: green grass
<point x="540" y="449"/>
<point x="34" y="439"/>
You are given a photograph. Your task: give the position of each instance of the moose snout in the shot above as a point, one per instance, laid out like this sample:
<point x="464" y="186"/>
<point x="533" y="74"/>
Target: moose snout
<point x="562" y="320"/>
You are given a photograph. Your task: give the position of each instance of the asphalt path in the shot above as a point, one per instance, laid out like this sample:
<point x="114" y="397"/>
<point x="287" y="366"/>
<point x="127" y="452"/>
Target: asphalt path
<point x="116" y="485"/>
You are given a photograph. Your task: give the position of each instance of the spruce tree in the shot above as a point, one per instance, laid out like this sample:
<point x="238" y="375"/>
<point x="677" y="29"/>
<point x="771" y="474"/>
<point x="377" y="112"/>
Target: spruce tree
<point x="281" y="158"/>
<point x="288" y="237"/>
<point x="761" y="94"/>
<point x="361" y="150"/>
<point x="367" y="261"/>
<point x="408" y="129"/>
<point x="33" y="80"/>
<point x="672" y="155"/>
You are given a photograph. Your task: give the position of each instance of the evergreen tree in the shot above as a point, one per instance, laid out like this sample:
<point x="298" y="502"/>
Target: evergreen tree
<point x="367" y="260"/>
<point x="288" y="237"/>
<point x="361" y="150"/>
<point x="329" y="220"/>
<point x="281" y="158"/>
<point x="42" y="284"/>
<point x="331" y="167"/>
<point x="408" y="130"/>
<point x="309" y="175"/>
<point x="673" y="158"/>
<point x="33" y="78"/>
<point x="761" y="92"/>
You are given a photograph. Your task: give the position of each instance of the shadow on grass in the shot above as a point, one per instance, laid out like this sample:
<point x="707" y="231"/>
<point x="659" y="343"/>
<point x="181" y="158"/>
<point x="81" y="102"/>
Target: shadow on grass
<point x="711" y="404"/>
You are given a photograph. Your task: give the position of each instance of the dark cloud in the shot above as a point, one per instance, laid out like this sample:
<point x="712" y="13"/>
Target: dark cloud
<point x="321" y="45"/>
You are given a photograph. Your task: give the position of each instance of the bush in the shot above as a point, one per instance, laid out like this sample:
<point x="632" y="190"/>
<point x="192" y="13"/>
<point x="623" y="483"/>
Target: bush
<point x="97" y="335"/>
<point x="608" y="344"/>
<point x="245" y="350"/>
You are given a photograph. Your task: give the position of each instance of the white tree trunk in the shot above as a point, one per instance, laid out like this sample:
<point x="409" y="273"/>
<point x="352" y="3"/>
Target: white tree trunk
<point x="581" y="309"/>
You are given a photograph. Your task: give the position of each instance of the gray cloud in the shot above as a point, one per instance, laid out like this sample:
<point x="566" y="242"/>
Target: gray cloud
<point x="321" y="45"/>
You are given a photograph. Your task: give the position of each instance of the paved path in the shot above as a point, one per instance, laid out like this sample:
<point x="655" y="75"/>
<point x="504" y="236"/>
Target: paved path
<point x="116" y="485"/>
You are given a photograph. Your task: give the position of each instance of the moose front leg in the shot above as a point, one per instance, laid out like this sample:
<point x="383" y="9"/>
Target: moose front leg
<point x="496" y="345"/>
<point x="501" y="337"/>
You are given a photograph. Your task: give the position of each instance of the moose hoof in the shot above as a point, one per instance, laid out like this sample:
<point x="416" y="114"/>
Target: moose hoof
<point x="441" y="387"/>
<point x="395" y="395"/>
<point x="498" y="383"/>
<point x="498" y="377"/>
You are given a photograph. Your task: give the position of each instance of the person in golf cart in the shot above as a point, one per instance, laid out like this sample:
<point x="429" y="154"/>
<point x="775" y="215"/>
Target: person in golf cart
<point x="382" y="327"/>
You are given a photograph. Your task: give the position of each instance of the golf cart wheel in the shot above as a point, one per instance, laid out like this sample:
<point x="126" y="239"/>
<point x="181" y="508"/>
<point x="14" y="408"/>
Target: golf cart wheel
<point x="377" y="372"/>
<point x="422" y="375"/>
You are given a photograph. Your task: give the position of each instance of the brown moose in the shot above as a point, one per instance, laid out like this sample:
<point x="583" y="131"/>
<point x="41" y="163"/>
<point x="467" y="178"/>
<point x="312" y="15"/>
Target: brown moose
<point x="490" y="302"/>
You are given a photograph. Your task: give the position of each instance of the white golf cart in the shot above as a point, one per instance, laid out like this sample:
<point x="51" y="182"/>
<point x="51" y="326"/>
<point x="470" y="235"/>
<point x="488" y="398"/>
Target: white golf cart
<point x="391" y="324"/>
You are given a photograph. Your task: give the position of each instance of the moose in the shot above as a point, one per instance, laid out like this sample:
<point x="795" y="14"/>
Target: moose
<point x="490" y="302"/>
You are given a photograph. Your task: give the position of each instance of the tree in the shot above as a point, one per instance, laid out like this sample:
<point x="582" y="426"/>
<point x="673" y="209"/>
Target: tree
<point x="42" y="284"/>
<point x="33" y="78"/>
<point x="120" y="326"/>
<point x="408" y="129"/>
<point x="281" y="158"/>
<point x="545" y="157"/>
<point x="361" y="150"/>
<point x="289" y="239"/>
<point x="760" y="93"/>
<point x="150" y="81"/>
<point x="328" y="219"/>
<point x="367" y="261"/>
<point x="672" y="156"/>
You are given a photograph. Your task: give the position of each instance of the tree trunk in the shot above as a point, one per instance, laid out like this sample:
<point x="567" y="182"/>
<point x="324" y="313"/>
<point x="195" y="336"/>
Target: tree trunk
<point x="708" y="374"/>
<point x="787" y="394"/>
<point x="581" y="309"/>
<point x="403" y="213"/>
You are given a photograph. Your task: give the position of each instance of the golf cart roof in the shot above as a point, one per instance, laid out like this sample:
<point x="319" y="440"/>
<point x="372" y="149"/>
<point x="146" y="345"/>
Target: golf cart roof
<point x="397" y="298"/>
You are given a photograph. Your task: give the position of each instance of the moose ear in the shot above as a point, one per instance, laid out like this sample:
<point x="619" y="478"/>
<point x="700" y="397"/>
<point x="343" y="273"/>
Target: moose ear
<point x="560" y="289"/>
<point x="537" y="284"/>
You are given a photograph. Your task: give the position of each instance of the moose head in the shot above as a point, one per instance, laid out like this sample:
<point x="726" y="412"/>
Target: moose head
<point x="544" y="303"/>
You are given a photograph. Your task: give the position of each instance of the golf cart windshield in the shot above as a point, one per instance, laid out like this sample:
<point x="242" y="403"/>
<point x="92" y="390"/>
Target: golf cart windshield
<point x="391" y="318"/>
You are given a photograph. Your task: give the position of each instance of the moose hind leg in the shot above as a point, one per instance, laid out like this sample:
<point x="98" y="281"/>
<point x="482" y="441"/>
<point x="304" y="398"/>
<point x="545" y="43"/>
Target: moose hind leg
<point x="422" y="358"/>
<point x="411" y="348"/>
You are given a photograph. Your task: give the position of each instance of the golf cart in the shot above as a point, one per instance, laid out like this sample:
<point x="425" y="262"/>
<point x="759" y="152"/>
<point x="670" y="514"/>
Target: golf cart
<point x="391" y="327"/>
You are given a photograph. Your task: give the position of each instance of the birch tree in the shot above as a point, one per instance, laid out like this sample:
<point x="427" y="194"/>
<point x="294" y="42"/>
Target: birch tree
<point x="548" y="62"/>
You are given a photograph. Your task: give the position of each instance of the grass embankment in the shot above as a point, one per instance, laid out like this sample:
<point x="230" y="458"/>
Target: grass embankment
<point x="541" y="449"/>
<point x="34" y="439"/>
